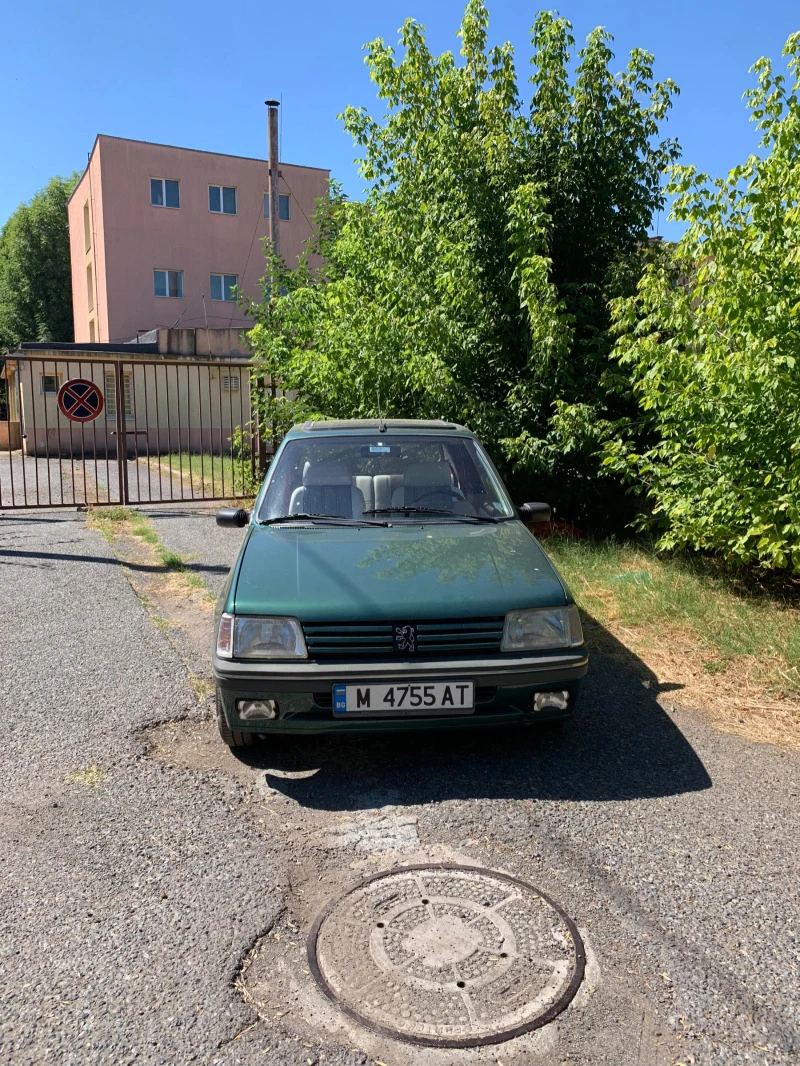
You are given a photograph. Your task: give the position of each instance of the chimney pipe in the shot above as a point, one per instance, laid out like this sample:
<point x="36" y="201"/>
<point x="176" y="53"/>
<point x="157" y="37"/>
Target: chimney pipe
<point x="274" y="174"/>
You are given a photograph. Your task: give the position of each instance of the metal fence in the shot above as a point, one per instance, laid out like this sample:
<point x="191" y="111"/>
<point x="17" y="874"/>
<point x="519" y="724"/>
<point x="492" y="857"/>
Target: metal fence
<point x="165" y="431"/>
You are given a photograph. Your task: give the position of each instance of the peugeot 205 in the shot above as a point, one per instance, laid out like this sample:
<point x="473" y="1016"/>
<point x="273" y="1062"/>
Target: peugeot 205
<point x="387" y="582"/>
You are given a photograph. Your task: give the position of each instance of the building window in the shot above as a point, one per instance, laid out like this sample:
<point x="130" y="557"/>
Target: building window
<point x="230" y="382"/>
<point x="222" y="286"/>
<point x="284" y="209"/>
<point x="110" y="395"/>
<point x="89" y="287"/>
<point x="165" y="193"/>
<point x="87" y="227"/>
<point x="168" y="283"/>
<point x="222" y="200"/>
<point x="50" y="384"/>
<point x="92" y="331"/>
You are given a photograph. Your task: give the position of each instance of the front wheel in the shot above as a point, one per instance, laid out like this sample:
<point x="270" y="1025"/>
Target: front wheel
<point x="234" y="738"/>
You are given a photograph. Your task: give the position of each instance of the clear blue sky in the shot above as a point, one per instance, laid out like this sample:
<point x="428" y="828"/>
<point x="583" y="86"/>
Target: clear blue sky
<point x="196" y="73"/>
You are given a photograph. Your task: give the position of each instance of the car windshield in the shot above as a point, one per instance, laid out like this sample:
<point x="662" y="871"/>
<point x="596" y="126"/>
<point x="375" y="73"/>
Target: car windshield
<point x="414" y="477"/>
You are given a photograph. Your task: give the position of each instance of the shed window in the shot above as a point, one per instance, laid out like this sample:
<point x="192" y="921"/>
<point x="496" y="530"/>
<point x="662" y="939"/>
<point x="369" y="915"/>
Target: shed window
<point x="110" y="395"/>
<point x="50" y="384"/>
<point x="230" y="382"/>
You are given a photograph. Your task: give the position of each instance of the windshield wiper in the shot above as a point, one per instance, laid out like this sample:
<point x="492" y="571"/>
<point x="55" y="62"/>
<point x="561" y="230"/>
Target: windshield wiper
<point x="431" y="510"/>
<point x="319" y="517"/>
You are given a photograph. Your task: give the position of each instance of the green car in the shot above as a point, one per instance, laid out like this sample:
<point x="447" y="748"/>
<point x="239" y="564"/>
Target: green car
<point x="387" y="582"/>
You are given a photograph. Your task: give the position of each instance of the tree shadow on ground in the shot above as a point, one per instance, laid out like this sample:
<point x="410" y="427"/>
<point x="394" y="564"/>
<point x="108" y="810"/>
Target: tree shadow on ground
<point x="619" y="745"/>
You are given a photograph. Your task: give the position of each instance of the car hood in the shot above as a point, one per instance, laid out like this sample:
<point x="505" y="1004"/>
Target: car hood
<point x="349" y="573"/>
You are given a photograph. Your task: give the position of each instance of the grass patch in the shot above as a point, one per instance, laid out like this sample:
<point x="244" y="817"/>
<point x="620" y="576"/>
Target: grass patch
<point x="89" y="777"/>
<point x="212" y="475"/>
<point x="728" y="639"/>
<point x="170" y="560"/>
<point x="110" y="522"/>
<point x="113" y="522"/>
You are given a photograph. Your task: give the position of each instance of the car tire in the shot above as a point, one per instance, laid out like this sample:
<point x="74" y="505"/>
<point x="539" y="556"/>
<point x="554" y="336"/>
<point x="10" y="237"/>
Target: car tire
<point x="234" y="738"/>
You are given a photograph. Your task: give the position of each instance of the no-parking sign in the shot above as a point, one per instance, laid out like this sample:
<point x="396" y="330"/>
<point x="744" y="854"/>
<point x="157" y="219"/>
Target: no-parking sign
<point x="80" y="400"/>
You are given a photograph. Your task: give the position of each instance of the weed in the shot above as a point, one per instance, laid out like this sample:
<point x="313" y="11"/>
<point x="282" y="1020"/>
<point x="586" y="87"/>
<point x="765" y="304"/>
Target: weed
<point x="90" y="777"/>
<point x="201" y="686"/>
<point x="170" y="560"/>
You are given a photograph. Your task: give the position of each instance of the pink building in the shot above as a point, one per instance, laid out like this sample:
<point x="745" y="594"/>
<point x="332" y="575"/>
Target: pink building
<point x="159" y="236"/>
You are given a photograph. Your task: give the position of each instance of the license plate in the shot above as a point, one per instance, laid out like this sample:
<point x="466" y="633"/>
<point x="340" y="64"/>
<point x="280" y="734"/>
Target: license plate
<point x="408" y="698"/>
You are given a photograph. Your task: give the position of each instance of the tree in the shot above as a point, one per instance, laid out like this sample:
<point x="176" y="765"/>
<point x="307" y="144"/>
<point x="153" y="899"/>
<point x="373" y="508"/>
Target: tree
<point x="473" y="282"/>
<point x="35" y="278"/>
<point x="712" y="343"/>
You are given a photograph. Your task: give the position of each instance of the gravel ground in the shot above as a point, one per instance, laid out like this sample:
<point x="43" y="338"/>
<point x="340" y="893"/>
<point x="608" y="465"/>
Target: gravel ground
<point x="129" y="907"/>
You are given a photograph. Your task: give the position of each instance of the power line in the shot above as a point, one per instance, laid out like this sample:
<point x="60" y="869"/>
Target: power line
<point x="302" y="212"/>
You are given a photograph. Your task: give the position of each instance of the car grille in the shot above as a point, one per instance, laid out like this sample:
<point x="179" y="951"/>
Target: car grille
<point x="450" y="638"/>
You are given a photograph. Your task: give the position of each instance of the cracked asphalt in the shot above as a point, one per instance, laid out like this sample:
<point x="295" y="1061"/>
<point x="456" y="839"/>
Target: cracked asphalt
<point x="140" y="862"/>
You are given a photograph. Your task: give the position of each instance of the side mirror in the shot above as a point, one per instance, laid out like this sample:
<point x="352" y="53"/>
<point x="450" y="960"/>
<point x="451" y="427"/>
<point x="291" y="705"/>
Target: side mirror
<point x="236" y="517"/>
<point x="534" y="512"/>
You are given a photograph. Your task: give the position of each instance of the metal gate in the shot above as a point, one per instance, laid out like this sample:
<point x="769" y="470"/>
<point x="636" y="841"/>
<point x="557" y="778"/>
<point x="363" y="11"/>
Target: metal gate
<point x="167" y="431"/>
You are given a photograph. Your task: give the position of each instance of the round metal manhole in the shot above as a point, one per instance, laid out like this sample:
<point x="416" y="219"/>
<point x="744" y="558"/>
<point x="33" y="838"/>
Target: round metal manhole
<point x="446" y="955"/>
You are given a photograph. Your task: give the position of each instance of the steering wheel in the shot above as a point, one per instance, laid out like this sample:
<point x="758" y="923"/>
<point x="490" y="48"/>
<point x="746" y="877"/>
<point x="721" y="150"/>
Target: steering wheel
<point x="457" y="494"/>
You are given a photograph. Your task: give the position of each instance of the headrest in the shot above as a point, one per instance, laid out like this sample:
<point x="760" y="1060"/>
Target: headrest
<point x="333" y="472"/>
<point x="427" y="474"/>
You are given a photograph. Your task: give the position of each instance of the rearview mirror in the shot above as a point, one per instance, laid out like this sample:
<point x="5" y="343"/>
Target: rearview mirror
<point x="534" y="512"/>
<point x="236" y="517"/>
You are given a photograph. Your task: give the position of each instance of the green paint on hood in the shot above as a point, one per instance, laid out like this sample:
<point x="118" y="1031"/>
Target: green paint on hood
<point x="344" y="573"/>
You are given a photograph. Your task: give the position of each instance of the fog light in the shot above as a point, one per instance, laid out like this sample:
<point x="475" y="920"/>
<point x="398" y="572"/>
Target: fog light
<point x="247" y="710"/>
<point x="549" y="701"/>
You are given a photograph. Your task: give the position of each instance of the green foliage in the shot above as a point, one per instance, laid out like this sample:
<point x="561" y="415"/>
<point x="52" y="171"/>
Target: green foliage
<point x="35" y="278"/>
<point x="712" y="343"/>
<point x="473" y="283"/>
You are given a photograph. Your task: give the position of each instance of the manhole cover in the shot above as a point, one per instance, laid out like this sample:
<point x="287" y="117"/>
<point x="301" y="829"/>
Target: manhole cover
<point x="451" y="956"/>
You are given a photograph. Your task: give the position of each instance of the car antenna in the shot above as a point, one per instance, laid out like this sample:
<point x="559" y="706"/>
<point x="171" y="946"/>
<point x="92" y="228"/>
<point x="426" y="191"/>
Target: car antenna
<point x="381" y="423"/>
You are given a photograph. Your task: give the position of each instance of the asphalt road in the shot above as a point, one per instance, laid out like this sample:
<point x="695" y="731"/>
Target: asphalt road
<point x="130" y="905"/>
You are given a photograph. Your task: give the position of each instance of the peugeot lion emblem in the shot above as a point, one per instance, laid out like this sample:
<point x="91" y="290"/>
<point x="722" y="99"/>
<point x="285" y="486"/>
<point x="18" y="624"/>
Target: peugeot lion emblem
<point x="404" y="637"/>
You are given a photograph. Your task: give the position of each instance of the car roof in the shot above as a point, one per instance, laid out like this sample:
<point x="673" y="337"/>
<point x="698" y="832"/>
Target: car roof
<point x="376" y="425"/>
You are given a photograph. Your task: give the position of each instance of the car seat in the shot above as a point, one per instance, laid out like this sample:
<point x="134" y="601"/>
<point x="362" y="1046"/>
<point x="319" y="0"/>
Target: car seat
<point x="429" y="484"/>
<point x="327" y="489"/>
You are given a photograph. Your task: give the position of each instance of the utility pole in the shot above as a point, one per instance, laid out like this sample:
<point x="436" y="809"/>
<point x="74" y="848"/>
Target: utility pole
<point x="274" y="175"/>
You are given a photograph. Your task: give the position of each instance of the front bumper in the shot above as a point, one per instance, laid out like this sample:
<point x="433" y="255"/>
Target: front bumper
<point x="303" y="690"/>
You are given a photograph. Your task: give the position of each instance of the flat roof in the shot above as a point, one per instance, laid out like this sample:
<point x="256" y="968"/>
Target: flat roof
<point x="199" y="151"/>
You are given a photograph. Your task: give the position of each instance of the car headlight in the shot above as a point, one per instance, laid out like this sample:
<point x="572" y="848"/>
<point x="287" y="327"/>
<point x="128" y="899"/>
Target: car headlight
<point x="260" y="638"/>
<point x="542" y="627"/>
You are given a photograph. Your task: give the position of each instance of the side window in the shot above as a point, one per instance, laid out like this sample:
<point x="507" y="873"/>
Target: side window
<point x="165" y="192"/>
<point x="223" y="286"/>
<point x="87" y="227"/>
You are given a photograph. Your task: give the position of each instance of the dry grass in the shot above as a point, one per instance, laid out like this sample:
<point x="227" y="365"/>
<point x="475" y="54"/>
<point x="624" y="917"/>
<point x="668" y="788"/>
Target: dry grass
<point x="717" y="642"/>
